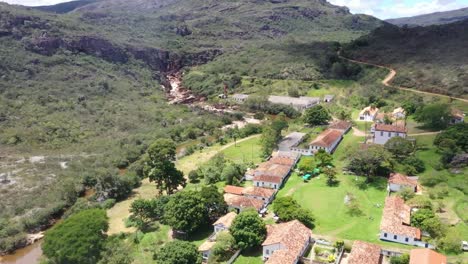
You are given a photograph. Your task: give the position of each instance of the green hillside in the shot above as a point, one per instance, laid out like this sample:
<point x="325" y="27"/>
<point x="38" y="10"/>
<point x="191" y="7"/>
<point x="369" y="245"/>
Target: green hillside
<point x="436" y="18"/>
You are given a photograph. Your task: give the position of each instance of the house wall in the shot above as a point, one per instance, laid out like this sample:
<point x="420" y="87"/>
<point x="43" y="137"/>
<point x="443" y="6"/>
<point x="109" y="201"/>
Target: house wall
<point x="271" y="185"/>
<point x="329" y="149"/>
<point x="396" y="187"/>
<point x="381" y="137"/>
<point x="269" y="249"/>
<point x="399" y="238"/>
<point x="206" y="254"/>
<point x="368" y="118"/>
<point x="219" y="228"/>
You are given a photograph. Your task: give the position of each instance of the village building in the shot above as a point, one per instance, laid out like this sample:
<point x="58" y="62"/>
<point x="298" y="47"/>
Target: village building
<point x="268" y="181"/>
<point x="221" y="225"/>
<point x="368" y="114"/>
<point x="398" y="181"/>
<point x="286" y="243"/>
<point x="264" y="194"/>
<point x="298" y="103"/>
<point x="457" y="116"/>
<point x="382" y="132"/>
<point x="240" y="98"/>
<point x="241" y="202"/>
<point x="327" y="140"/>
<point x="231" y="189"/>
<point x="363" y="252"/>
<point x="399" y="113"/>
<point x="395" y="224"/>
<point x="341" y="125"/>
<point x="289" y="142"/>
<point x="426" y="256"/>
<point x="328" y="98"/>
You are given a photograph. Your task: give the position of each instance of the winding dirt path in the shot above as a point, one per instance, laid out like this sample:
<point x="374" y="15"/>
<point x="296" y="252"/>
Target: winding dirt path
<point x="392" y="73"/>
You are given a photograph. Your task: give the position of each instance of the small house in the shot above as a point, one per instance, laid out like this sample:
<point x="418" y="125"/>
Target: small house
<point x="224" y="222"/>
<point x="264" y="194"/>
<point x="286" y="243"/>
<point x="426" y="256"/>
<point x="300" y="104"/>
<point x="205" y="248"/>
<point x="268" y="181"/>
<point x="327" y="140"/>
<point x="398" y="181"/>
<point x="233" y="189"/>
<point x="382" y="132"/>
<point x="240" y="202"/>
<point x="290" y="141"/>
<point x="368" y="114"/>
<point x="399" y="113"/>
<point x="341" y="125"/>
<point x="363" y="252"/>
<point x="240" y="98"/>
<point x="328" y="98"/>
<point x="457" y="116"/>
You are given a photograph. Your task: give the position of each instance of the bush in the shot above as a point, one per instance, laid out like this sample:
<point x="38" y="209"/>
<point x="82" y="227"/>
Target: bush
<point x="193" y="176"/>
<point x="403" y="259"/>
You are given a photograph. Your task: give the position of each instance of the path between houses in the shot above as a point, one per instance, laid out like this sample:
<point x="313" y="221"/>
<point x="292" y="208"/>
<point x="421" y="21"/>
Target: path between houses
<point x="358" y="133"/>
<point x="392" y="73"/>
<point x="424" y="134"/>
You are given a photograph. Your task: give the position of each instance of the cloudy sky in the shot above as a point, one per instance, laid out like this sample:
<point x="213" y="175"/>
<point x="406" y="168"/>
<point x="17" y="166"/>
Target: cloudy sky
<point x="380" y="8"/>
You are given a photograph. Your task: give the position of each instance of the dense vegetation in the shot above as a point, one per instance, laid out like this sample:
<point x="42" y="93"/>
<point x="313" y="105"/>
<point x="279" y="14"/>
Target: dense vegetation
<point x="427" y="58"/>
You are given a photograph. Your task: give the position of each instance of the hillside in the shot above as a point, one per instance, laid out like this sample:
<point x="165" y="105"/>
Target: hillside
<point x="436" y="18"/>
<point x="427" y="58"/>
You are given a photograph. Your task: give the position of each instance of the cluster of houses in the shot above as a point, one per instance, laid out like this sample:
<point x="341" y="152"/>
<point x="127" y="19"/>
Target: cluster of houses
<point x="299" y="103"/>
<point x="367" y="253"/>
<point x="328" y="140"/>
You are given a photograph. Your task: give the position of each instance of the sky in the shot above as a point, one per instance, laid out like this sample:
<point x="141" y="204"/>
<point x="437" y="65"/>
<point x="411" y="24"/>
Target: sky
<point x="382" y="9"/>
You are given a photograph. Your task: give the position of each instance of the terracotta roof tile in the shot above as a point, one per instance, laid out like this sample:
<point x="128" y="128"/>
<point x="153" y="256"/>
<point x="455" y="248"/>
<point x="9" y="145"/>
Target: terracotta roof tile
<point x="457" y="113"/>
<point x="340" y="125"/>
<point x="326" y="138"/>
<point x="396" y="218"/>
<point x="363" y="252"/>
<point x="397" y="178"/>
<point x="226" y="220"/>
<point x="426" y="256"/>
<point x="268" y="178"/>
<point x="369" y="111"/>
<point x="239" y="201"/>
<point x="390" y="128"/>
<point x="258" y="191"/>
<point x="292" y="236"/>
<point x="233" y="189"/>
<point x="282" y="161"/>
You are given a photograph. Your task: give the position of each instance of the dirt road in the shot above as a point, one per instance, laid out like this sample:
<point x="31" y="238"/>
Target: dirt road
<point x="392" y="73"/>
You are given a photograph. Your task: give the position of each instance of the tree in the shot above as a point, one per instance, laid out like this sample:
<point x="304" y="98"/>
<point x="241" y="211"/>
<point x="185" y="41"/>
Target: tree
<point x="223" y="249"/>
<point x="433" y="226"/>
<point x="316" y="115"/>
<point x="78" y="239"/>
<point x="160" y="168"/>
<point x="403" y="259"/>
<point x="406" y="193"/>
<point x="420" y="215"/>
<point x="214" y="202"/>
<point x="287" y="209"/>
<point x="145" y="211"/>
<point x="178" y="252"/>
<point x="293" y="92"/>
<point x="193" y="176"/>
<point x="400" y="148"/>
<point x="450" y="243"/>
<point x="436" y="116"/>
<point x="116" y="251"/>
<point x="248" y="229"/>
<point x="306" y="164"/>
<point x="232" y="173"/>
<point x="457" y="133"/>
<point x="330" y="173"/>
<point x="371" y="162"/>
<point x="323" y="158"/>
<point x="186" y="211"/>
<point x="269" y="141"/>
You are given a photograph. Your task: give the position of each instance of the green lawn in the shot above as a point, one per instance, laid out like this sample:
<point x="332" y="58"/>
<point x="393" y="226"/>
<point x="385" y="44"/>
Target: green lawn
<point x="250" y="257"/>
<point x="149" y="243"/>
<point x="246" y="151"/>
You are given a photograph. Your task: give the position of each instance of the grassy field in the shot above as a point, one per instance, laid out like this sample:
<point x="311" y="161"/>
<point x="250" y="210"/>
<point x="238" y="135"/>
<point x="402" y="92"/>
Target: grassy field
<point x="246" y="151"/>
<point x="250" y="257"/>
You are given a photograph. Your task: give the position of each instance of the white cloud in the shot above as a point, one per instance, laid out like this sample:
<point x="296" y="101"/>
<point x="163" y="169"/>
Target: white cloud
<point x="34" y="2"/>
<point x="399" y="8"/>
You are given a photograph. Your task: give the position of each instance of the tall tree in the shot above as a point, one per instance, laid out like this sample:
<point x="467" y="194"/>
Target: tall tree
<point x="178" y="252"/>
<point x="186" y="211"/>
<point x="287" y="209"/>
<point x="436" y="116"/>
<point x="316" y="115"/>
<point x="160" y="168"/>
<point x="268" y="141"/>
<point x="400" y="147"/>
<point x="248" y="229"/>
<point x="78" y="239"/>
<point x="373" y="161"/>
<point x="323" y="158"/>
<point x="214" y="202"/>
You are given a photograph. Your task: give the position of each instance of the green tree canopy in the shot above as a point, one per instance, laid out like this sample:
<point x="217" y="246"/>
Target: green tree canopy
<point x="436" y="116"/>
<point x="159" y="166"/>
<point x="323" y="158"/>
<point x="78" y="239"/>
<point x="223" y="249"/>
<point x="458" y="133"/>
<point x="145" y="211"/>
<point x="400" y="147"/>
<point x="186" y="211"/>
<point x="214" y="202"/>
<point x="403" y="259"/>
<point x="287" y="209"/>
<point x="178" y="252"/>
<point x="316" y="115"/>
<point x="373" y="161"/>
<point x="248" y="229"/>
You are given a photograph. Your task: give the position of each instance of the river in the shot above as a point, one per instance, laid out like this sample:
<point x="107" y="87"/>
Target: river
<point x="28" y="255"/>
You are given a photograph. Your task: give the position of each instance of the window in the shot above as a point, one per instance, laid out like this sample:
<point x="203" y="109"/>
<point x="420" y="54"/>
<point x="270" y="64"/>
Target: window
<point x="395" y="237"/>
<point x="389" y="134"/>
<point x="406" y="239"/>
<point x="268" y="252"/>
<point x="397" y="134"/>
<point x="275" y="186"/>
<point x="258" y="184"/>
<point x="385" y="235"/>
<point x="381" y="133"/>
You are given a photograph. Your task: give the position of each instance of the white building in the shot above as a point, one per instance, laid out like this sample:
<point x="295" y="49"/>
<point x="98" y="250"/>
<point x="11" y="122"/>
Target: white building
<point x="399" y="113"/>
<point x="240" y="98"/>
<point x="398" y="181"/>
<point x="382" y="132"/>
<point x="328" y="140"/>
<point x="395" y="225"/>
<point x="457" y="116"/>
<point x="298" y="103"/>
<point x="286" y="243"/>
<point x="368" y="114"/>
<point x="221" y="225"/>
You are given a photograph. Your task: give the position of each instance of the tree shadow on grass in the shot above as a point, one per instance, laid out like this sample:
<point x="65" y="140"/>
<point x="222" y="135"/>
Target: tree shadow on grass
<point x="252" y="252"/>
<point x="200" y="234"/>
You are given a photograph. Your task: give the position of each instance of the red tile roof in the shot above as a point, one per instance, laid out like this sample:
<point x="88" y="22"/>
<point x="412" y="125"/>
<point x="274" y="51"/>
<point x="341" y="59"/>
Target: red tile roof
<point x="268" y="178"/>
<point x="340" y="125"/>
<point x="242" y="201"/>
<point x="396" y="218"/>
<point x="258" y="191"/>
<point x="363" y="252"/>
<point x="326" y="138"/>
<point x="426" y="256"/>
<point x="390" y="128"/>
<point x="273" y="169"/>
<point x="400" y="179"/>
<point x="457" y="113"/>
<point x="292" y="236"/>
<point x="226" y="220"/>
<point x="233" y="189"/>
<point x="282" y="161"/>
